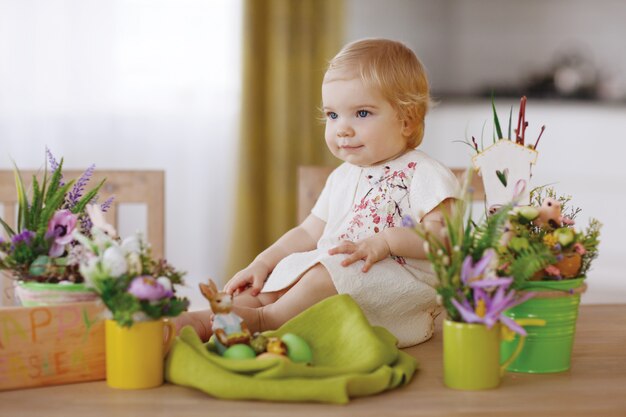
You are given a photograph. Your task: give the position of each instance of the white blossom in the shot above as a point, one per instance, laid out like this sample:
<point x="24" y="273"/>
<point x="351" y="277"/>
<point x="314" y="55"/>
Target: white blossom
<point x="114" y="262"/>
<point x="165" y="283"/>
<point x="131" y="244"/>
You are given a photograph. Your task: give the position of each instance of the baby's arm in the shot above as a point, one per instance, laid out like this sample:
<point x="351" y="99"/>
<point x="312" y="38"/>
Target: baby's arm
<point x="301" y="238"/>
<point x="398" y="241"/>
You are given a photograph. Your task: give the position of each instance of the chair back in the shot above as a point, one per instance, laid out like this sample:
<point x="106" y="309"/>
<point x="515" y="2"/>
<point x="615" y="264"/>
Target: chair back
<point x="312" y="178"/>
<point x="127" y="187"/>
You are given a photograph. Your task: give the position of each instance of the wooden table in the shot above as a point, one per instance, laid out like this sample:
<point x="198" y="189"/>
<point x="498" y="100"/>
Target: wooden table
<point x="595" y="386"/>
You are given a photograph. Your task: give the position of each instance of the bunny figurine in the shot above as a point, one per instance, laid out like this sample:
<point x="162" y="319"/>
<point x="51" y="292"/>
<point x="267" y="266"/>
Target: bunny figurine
<point x="228" y="328"/>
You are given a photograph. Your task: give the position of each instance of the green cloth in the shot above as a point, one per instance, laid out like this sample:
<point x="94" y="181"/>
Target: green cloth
<point x="351" y="358"/>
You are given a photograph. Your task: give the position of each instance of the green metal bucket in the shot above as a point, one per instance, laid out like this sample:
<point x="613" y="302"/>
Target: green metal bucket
<point x="547" y="349"/>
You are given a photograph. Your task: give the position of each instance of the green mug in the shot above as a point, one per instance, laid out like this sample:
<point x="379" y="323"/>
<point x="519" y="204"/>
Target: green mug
<point x="471" y="353"/>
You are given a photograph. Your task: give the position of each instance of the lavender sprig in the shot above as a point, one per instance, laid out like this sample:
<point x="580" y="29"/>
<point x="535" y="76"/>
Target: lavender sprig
<point x="79" y="187"/>
<point x="54" y="165"/>
<point x="107" y="204"/>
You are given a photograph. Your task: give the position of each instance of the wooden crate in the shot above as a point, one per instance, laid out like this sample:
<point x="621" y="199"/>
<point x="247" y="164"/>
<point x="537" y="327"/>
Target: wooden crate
<point x="51" y="345"/>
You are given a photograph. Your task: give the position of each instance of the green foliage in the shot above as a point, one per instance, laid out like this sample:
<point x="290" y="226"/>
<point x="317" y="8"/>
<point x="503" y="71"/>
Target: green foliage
<point x="488" y="234"/>
<point x="87" y="198"/>
<point x="496" y="121"/>
<point x="462" y="238"/>
<point x="590" y="239"/>
<point x="527" y="262"/>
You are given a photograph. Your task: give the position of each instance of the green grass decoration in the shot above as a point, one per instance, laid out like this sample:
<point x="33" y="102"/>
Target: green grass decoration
<point x="496" y="121"/>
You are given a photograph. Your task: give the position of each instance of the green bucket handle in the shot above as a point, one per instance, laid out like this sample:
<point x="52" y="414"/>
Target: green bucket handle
<point x="508" y="335"/>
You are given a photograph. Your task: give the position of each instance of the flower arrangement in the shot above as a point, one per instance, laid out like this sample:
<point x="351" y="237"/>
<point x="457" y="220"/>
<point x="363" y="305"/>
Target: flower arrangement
<point x="465" y="260"/>
<point x="541" y="242"/>
<point x="40" y="247"/>
<point x="132" y="285"/>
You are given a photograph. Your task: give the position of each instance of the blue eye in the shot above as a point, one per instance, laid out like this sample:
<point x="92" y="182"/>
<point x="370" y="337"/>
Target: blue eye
<point x="362" y="113"/>
<point x="332" y="115"/>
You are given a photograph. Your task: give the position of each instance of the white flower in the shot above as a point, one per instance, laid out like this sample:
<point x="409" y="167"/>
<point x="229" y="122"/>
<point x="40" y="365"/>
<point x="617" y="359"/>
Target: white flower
<point x="134" y="263"/>
<point x="89" y="270"/>
<point x="131" y="244"/>
<point x="165" y="283"/>
<point x="114" y="262"/>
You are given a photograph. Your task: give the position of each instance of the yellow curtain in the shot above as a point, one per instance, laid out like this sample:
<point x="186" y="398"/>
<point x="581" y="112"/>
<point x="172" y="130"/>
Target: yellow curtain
<point x="286" y="47"/>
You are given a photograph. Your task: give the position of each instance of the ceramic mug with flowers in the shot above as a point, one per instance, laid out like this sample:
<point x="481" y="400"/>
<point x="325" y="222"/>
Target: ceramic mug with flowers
<point x="138" y="292"/>
<point x="474" y="293"/>
<point x="39" y="249"/>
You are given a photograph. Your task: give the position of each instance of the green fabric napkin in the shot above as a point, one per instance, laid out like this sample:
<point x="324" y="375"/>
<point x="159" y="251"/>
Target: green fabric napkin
<point x="351" y="358"/>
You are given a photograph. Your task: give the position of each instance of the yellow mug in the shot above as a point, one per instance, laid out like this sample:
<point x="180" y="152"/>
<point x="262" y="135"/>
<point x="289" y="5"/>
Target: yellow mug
<point x="134" y="355"/>
<point x="471" y="353"/>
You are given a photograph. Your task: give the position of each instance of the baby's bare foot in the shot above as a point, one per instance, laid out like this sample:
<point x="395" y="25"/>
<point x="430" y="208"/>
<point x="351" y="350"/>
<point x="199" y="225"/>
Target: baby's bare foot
<point x="253" y="317"/>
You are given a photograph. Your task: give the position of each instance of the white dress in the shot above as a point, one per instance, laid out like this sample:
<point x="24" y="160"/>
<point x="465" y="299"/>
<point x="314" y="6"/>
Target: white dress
<point x="358" y="202"/>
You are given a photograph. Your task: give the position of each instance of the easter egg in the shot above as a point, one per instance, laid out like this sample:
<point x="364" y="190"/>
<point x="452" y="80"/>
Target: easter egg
<point x="528" y="212"/>
<point x="298" y="350"/>
<point x="275" y="345"/>
<point x="239" y="351"/>
<point x="565" y="236"/>
<point x="269" y="355"/>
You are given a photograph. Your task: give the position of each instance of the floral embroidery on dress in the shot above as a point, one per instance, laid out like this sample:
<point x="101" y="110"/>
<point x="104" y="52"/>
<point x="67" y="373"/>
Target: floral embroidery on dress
<point x="383" y="204"/>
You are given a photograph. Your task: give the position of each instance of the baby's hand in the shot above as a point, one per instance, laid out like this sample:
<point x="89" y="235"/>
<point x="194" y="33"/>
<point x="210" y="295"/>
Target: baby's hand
<point x="372" y="250"/>
<point x="255" y="275"/>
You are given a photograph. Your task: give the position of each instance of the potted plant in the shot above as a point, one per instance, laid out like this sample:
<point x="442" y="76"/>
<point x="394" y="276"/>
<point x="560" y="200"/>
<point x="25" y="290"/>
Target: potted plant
<point x="474" y="296"/>
<point x="39" y="250"/>
<point x="548" y="256"/>
<point x="139" y="293"/>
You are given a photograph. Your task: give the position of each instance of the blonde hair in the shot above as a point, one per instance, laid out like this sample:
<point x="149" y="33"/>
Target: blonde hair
<point x="393" y="69"/>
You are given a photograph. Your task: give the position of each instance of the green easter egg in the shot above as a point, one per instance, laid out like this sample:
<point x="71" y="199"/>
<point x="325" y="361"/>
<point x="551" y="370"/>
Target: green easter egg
<point x="298" y="350"/>
<point x="528" y="212"/>
<point x="239" y="351"/>
<point x="565" y="236"/>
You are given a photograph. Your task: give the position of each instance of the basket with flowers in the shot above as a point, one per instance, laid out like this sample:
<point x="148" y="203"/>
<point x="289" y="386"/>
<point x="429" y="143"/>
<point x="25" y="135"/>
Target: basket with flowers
<point x="542" y="243"/>
<point x="38" y="249"/>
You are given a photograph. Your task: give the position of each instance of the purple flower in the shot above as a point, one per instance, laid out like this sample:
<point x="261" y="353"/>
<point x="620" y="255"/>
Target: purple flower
<point x="147" y="288"/>
<point x="490" y="309"/>
<point x="79" y="186"/>
<point x="407" y="221"/>
<point x="54" y="165"/>
<point x="60" y="230"/>
<point x="107" y="204"/>
<point x="25" y="237"/>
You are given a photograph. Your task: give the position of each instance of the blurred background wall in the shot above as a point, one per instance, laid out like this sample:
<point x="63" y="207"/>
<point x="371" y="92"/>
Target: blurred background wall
<point x="132" y="84"/>
<point x="156" y="84"/>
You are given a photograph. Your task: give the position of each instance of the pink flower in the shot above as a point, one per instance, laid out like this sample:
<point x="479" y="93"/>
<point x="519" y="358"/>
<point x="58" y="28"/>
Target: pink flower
<point x="411" y="165"/>
<point x="60" y="229"/>
<point x="579" y="248"/>
<point x="553" y="271"/>
<point x="147" y="288"/>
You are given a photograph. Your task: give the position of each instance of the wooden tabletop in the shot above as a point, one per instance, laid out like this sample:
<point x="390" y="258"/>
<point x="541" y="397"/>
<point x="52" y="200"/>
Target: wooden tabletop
<point x="595" y="386"/>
